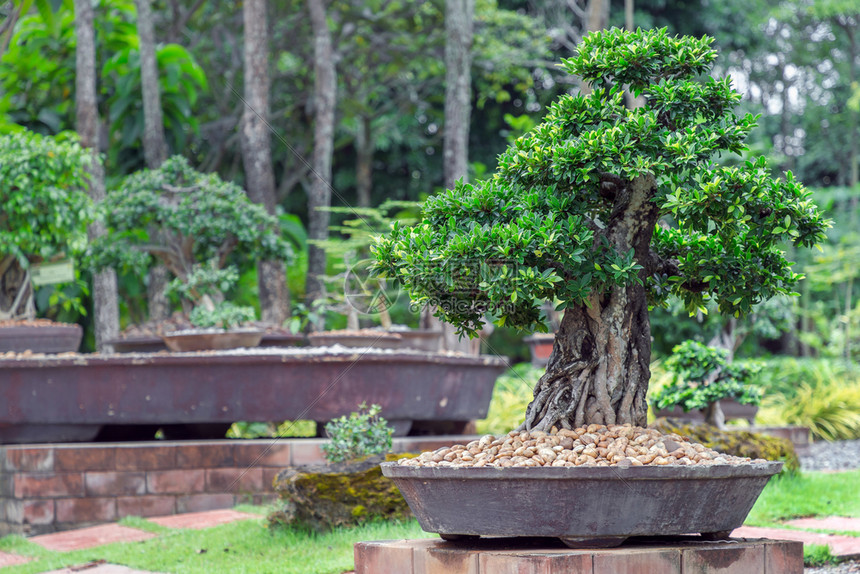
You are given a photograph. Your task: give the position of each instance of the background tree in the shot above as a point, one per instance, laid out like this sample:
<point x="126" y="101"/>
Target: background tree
<point x="154" y="143"/>
<point x="257" y="153"/>
<point x="319" y="193"/>
<point x="572" y="215"/>
<point x="105" y="298"/>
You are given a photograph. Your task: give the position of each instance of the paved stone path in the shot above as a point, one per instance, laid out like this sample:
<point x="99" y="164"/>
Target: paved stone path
<point x="840" y="546"/>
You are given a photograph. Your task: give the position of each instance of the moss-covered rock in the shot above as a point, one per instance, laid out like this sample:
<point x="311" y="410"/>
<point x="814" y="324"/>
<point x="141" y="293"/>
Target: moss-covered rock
<point x="735" y="442"/>
<point x="342" y="494"/>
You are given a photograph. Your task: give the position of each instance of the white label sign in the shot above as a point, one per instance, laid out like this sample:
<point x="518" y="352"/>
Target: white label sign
<point x="50" y="273"/>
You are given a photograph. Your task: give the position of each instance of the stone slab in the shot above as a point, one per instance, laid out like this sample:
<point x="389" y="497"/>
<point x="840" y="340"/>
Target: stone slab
<point x="670" y="555"/>
<point x="836" y="523"/>
<point x="99" y="568"/>
<point x="90" y="537"/>
<point x="200" y="520"/>
<point x="7" y="559"/>
<point x="840" y="546"/>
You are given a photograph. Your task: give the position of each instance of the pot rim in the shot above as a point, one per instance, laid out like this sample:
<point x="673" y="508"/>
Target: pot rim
<point x="650" y="472"/>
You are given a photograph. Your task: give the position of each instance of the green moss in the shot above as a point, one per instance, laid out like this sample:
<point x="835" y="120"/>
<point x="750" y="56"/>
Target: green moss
<point x="339" y="495"/>
<point x="735" y="442"/>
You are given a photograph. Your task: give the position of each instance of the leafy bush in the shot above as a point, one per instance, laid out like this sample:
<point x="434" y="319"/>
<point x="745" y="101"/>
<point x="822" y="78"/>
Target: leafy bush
<point x="362" y="434"/>
<point x="822" y="394"/>
<point x="702" y="375"/>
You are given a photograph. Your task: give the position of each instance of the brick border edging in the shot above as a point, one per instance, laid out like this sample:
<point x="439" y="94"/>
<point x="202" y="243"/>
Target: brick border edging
<point x="46" y="488"/>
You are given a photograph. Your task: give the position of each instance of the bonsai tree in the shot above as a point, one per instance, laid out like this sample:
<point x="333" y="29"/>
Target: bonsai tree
<point x="702" y="376"/>
<point x="45" y="211"/>
<point x="200" y="227"/>
<point x="610" y="210"/>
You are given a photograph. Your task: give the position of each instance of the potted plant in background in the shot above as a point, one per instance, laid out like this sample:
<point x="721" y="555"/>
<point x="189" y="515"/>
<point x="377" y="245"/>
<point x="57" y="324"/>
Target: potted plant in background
<point x="608" y="210"/>
<point x="43" y="221"/>
<point x="704" y="380"/>
<point x="200" y="227"/>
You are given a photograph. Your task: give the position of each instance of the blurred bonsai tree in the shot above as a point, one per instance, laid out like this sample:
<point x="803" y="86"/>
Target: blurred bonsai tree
<point x="200" y="227"/>
<point x="45" y="211"/>
<point x="610" y="210"/>
<point x="701" y="376"/>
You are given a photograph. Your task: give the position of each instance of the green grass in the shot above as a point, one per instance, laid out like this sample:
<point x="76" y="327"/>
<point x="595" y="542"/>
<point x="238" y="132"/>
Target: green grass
<point x="808" y="494"/>
<point x="239" y="547"/>
<point x="817" y="555"/>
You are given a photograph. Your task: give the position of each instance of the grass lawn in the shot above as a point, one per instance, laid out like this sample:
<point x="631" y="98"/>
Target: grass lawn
<point x="239" y="547"/>
<point x="807" y="494"/>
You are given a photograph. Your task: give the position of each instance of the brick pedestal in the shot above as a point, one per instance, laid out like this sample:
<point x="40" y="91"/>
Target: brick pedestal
<point x="51" y="487"/>
<point x="677" y="555"/>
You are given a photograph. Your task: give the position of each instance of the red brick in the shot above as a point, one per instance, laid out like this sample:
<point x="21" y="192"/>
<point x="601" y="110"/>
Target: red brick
<point x="439" y="559"/>
<point x="203" y="502"/>
<point x="175" y="481"/>
<point x="723" y="559"/>
<point x="783" y="557"/>
<point x="7" y="559"/>
<point x="634" y="561"/>
<point x="145" y="457"/>
<point x="114" y="483"/>
<point x="204" y="455"/>
<point x="86" y="510"/>
<point x="269" y="475"/>
<point x="308" y="451"/>
<point x="535" y="562"/>
<point x="48" y="485"/>
<point x="383" y="558"/>
<point x="90" y="537"/>
<point x="85" y="458"/>
<point x="274" y="453"/>
<point x="205" y="519"/>
<point x="145" y="505"/>
<point x="29" y="459"/>
<point x="37" y="511"/>
<point x="234" y="480"/>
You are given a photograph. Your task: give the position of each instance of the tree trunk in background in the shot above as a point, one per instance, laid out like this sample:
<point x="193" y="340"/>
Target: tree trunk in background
<point x="257" y="153"/>
<point x="364" y="161"/>
<point x="459" y="28"/>
<point x="106" y="308"/>
<point x="598" y="371"/>
<point x="154" y="142"/>
<point x="319" y="194"/>
<point x="598" y="15"/>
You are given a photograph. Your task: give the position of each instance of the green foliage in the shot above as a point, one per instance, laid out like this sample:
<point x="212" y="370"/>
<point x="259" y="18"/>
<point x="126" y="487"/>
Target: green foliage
<point x="702" y="375"/>
<point x="363" y="433"/>
<point x="43" y="193"/>
<point x="818" y="555"/>
<point x="224" y="316"/>
<point x="246" y="430"/>
<point x="536" y="230"/>
<point x="830" y="408"/>
<point x="194" y="223"/>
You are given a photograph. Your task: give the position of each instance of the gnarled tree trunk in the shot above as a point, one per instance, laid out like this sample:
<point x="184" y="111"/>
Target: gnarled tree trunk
<point x="599" y="368"/>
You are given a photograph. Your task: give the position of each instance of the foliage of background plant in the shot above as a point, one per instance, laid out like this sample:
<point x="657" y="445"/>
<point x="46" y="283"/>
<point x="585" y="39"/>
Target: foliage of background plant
<point x="362" y="433"/>
<point x="194" y="223"/>
<point x="511" y="396"/>
<point x="701" y="375"/>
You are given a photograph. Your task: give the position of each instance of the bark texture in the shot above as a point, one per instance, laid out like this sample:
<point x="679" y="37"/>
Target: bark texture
<point x="257" y="152"/>
<point x="106" y="307"/>
<point x="154" y="142"/>
<point x="16" y="291"/>
<point x="319" y="193"/>
<point x="599" y="368"/>
<point x="459" y="19"/>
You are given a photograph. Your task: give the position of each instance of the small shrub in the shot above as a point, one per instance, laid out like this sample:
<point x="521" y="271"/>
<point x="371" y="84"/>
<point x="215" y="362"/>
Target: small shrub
<point x="702" y="375"/>
<point x="362" y="434"/>
<point x="831" y="409"/>
<point x="817" y="555"/>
